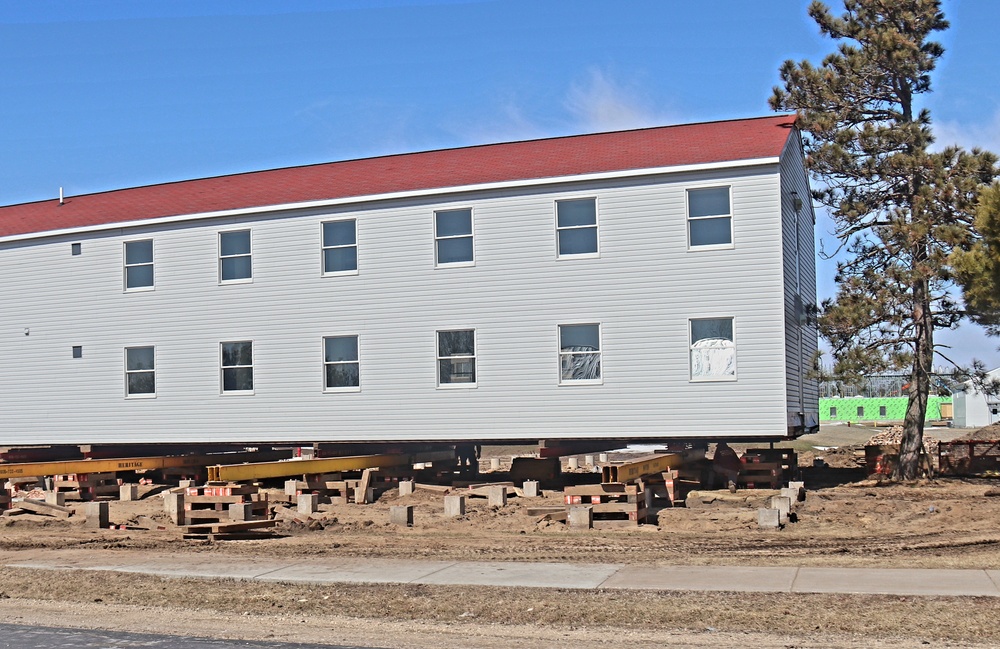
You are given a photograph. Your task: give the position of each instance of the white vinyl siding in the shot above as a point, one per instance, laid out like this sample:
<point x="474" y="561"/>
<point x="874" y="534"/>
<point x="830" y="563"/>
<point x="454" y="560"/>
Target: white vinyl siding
<point x="641" y="290"/>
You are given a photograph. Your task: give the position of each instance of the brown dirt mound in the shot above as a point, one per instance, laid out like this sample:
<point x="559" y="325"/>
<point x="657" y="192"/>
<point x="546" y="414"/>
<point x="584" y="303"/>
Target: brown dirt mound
<point x="987" y="433"/>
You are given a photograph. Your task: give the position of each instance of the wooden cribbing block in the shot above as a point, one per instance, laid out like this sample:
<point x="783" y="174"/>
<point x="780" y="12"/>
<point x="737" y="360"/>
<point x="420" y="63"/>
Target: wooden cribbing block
<point x="44" y="508"/>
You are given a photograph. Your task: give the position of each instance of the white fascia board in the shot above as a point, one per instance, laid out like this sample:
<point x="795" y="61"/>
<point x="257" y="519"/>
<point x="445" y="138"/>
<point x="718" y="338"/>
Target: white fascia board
<point x="369" y="198"/>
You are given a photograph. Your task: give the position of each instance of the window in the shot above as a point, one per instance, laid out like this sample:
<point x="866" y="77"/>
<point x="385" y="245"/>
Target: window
<point x="234" y="256"/>
<point x="237" y="367"/>
<point x="453" y="237"/>
<point x="576" y="227"/>
<point x="580" y="353"/>
<point x="77" y="351"/>
<point x="710" y="221"/>
<point x="861" y="411"/>
<point x="341" y="368"/>
<point x="75" y="249"/>
<point x="881" y="411"/>
<point x="138" y="265"/>
<point x="833" y="411"/>
<point x="456" y="357"/>
<point x="713" y="350"/>
<point x="140" y="372"/>
<point x="340" y="247"/>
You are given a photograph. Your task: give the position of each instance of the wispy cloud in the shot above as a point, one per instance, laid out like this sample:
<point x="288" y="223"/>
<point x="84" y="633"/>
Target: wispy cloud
<point x="603" y="103"/>
<point x="985" y="135"/>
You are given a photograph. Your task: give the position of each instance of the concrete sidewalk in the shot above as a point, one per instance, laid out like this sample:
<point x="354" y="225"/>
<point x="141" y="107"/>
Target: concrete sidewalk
<point x="749" y="579"/>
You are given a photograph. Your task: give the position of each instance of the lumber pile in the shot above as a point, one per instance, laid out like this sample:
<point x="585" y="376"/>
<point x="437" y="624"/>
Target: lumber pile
<point x="221" y="502"/>
<point x="786" y="458"/>
<point x="86" y="486"/>
<point x="45" y="509"/>
<point x="894" y="437"/>
<point x="230" y="531"/>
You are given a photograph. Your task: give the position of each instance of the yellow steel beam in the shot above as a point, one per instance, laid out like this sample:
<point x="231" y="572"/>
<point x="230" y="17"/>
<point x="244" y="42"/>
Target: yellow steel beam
<point x="259" y="470"/>
<point x="636" y="469"/>
<point x="36" y="469"/>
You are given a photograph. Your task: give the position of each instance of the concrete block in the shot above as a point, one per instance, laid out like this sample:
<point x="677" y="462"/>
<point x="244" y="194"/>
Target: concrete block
<point x="454" y="505"/>
<point x="573" y="463"/>
<point x="782" y="503"/>
<point x="241" y="512"/>
<point x="602" y="458"/>
<point x="401" y="515"/>
<point x="581" y="516"/>
<point x="173" y="504"/>
<point x="498" y="496"/>
<point x="494" y="464"/>
<point x="797" y="484"/>
<point x="96" y="515"/>
<point x="768" y="518"/>
<point x="795" y="494"/>
<point x="128" y="492"/>
<point x="55" y="498"/>
<point x="291" y="488"/>
<point x="187" y="483"/>
<point x="588" y="460"/>
<point x="530" y="489"/>
<point x="405" y="487"/>
<point x="307" y="503"/>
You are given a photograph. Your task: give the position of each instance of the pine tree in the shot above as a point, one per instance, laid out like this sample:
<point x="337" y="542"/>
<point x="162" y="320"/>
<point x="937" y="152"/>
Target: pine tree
<point x="978" y="266"/>
<point x="900" y="210"/>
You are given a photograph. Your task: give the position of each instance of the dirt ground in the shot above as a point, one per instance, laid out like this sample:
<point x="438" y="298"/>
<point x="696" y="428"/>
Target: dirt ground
<point x="846" y="520"/>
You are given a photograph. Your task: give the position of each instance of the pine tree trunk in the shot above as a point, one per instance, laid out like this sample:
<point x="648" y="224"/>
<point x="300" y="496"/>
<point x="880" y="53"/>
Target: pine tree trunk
<point x="920" y="386"/>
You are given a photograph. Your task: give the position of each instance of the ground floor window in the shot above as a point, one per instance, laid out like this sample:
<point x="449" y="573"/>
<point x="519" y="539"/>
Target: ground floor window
<point x="140" y="372"/>
<point x="579" y="353"/>
<point x="456" y="357"/>
<point x="341" y="368"/>
<point x="237" y="367"/>
<point x="713" y="349"/>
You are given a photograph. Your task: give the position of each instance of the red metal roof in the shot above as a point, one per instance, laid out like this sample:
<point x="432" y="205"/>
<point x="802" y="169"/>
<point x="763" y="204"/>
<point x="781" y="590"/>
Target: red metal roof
<point x="665" y="146"/>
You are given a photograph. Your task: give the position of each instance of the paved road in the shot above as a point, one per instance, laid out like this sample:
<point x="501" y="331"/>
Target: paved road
<point x="776" y="579"/>
<point x="15" y="636"/>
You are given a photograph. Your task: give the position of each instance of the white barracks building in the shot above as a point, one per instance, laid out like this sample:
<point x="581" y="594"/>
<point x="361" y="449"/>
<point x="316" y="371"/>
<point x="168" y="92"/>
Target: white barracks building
<point x="644" y="284"/>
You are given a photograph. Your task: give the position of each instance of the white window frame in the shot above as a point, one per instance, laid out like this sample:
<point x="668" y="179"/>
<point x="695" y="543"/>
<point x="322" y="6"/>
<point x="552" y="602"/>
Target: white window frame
<point x="349" y="388"/>
<point x="471" y="236"/>
<point x="474" y="357"/>
<point x="689" y="219"/>
<point x="596" y="226"/>
<point x="223" y="368"/>
<point x="241" y="280"/>
<point x="599" y="353"/>
<point x="128" y="372"/>
<point x="691" y="350"/>
<point x="126" y="266"/>
<point x="324" y="247"/>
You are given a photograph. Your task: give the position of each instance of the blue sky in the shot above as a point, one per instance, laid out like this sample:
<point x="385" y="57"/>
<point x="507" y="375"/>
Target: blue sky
<point x="106" y="94"/>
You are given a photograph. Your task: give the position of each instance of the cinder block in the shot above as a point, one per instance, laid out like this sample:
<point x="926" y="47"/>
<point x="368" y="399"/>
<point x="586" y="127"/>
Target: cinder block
<point x="602" y="458"/>
<point x="581" y="516"/>
<point x="783" y="504"/>
<point x="454" y="505"/>
<point x="797" y="485"/>
<point x="588" y="460"/>
<point x="55" y="498"/>
<point x="573" y="463"/>
<point x="187" y="483"/>
<point x="291" y="488"/>
<point x="530" y="489"/>
<point x="498" y="496"/>
<point x="173" y="504"/>
<point x="241" y="512"/>
<point x="401" y="515"/>
<point x="494" y="464"/>
<point x="405" y="487"/>
<point x="128" y="492"/>
<point x="795" y="494"/>
<point x="308" y="503"/>
<point x="768" y="518"/>
<point x="96" y="515"/>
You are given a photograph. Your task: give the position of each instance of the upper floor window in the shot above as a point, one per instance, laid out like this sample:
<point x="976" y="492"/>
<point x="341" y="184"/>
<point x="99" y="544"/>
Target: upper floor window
<point x="453" y="237"/>
<point x="710" y="218"/>
<point x="341" y="368"/>
<point x="576" y="227"/>
<point x="713" y="349"/>
<point x="580" y="353"/>
<point x="340" y="247"/>
<point x="456" y="357"/>
<point x="140" y="372"/>
<point x="237" y="367"/>
<point x="138" y="265"/>
<point x="234" y="256"/>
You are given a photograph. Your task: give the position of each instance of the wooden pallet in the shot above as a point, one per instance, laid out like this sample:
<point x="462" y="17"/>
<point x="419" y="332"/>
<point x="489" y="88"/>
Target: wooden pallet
<point x="612" y="504"/>
<point x="760" y="475"/>
<point x="786" y="457"/>
<point x="233" y="531"/>
<point x="209" y="503"/>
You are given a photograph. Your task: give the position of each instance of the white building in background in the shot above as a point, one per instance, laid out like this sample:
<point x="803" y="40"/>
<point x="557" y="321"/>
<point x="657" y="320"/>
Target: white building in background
<point x="642" y="284"/>
<point x="974" y="409"/>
